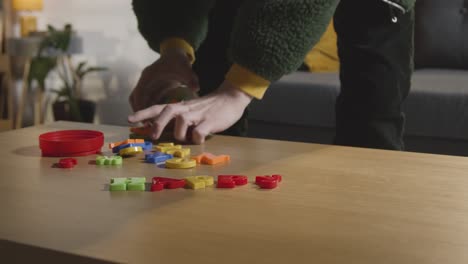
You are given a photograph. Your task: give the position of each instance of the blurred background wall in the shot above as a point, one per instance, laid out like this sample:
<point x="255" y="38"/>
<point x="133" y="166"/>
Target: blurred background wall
<point x="110" y="39"/>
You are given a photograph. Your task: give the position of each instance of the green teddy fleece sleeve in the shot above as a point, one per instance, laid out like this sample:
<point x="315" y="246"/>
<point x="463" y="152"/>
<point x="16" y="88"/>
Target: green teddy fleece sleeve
<point x="162" y="19"/>
<point x="272" y="37"/>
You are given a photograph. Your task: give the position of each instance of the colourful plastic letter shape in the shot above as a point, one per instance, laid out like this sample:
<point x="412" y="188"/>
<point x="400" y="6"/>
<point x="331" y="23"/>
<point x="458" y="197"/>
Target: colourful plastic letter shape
<point x="147" y="146"/>
<point x="198" y="158"/>
<point x="136" y="184"/>
<point x="67" y="163"/>
<point x="180" y="163"/>
<point x="199" y="182"/>
<point x="159" y="183"/>
<point x="166" y="144"/>
<point x="180" y="153"/>
<point x="112" y="160"/>
<point x="128" y="141"/>
<point x="128" y="184"/>
<point x="231" y="181"/>
<point x="130" y="151"/>
<point x="268" y="182"/>
<point x="164" y="147"/>
<point x="210" y="159"/>
<point x="157" y="157"/>
<point x="142" y="131"/>
<point x="118" y="184"/>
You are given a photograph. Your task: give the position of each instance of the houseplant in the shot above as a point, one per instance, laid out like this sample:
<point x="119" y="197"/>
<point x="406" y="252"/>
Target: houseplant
<point x="53" y="56"/>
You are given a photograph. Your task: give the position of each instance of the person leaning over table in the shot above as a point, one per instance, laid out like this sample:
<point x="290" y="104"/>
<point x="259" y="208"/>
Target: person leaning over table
<point x="241" y="47"/>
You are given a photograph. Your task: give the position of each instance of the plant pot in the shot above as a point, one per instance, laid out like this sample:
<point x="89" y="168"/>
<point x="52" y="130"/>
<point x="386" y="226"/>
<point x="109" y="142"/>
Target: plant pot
<point x="87" y="109"/>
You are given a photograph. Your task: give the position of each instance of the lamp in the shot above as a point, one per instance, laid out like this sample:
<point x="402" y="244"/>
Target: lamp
<point x="28" y="23"/>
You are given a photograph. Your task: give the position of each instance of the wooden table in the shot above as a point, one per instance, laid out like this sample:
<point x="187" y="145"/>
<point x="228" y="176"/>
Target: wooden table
<point x="335" y="205"/>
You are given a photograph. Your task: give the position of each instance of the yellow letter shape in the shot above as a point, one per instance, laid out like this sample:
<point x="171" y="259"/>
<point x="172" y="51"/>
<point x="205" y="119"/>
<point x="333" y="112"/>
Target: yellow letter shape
<point x="164" y="148"/>
<point x="180" y="153"/>
<point x="180" y="163"/>
<point x="166" y="144"/>
<point x="199" y="182"/>
<point x="130" y="151"/>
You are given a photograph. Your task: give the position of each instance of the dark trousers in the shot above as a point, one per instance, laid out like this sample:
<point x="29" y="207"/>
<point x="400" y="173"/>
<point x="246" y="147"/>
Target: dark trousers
<point x="376" y="57"/>
<point x="376" y="65"/>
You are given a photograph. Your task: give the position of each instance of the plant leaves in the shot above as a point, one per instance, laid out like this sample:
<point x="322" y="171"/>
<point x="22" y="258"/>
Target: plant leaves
<point x="75" y="110"/>
<point x="80" y="66"/>
<point x="40" y="69"/>
<point x="83" y="72"/>
<point x="55" y="41"/>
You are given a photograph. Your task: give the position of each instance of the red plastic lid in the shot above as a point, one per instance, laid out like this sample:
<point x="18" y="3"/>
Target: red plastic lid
<point x="71" y="143"/>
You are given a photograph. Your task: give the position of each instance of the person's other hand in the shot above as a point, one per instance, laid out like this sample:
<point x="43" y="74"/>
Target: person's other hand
<point x="170" y="71"/>
<point x="206" y="115"/>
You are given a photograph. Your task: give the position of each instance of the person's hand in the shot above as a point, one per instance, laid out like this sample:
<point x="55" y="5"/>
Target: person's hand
<point x="206" y="115"/>
<point x="170" y="71"/>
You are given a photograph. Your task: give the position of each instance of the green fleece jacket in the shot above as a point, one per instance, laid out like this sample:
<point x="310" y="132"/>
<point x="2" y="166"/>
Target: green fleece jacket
<point x="270" y="37"/>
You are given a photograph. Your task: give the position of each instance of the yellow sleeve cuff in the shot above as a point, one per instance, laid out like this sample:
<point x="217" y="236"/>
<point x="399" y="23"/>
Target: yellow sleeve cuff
<point x="177" y="43"/>
<point x="247" y="81"/>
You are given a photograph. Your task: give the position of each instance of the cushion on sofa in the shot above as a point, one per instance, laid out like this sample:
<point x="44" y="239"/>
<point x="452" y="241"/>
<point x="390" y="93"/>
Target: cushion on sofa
<point x="324" y="55"/>
<point x="441" y="34"/>
<point x="300" y="98"/>
<point x="437" y="105"/>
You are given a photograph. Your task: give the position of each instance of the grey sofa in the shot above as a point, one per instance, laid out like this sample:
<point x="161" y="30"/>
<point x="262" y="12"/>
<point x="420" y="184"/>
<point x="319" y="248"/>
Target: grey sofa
<point x="300" y="107"/>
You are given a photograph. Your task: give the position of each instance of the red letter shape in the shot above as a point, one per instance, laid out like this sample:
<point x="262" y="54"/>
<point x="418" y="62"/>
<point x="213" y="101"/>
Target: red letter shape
<point x="268" y="182"/>
<point x="67" y="163"/>
<point x="230" y="181"/>
<point x="159" y="183"/>
<point x="277" y="177"/>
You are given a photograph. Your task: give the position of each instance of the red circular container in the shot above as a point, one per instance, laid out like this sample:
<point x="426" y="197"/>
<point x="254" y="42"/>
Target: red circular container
<point x="70" y="143"/>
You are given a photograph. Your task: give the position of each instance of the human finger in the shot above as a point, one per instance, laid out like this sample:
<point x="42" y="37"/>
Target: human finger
<point x="201" y="131"/>
<point x="182" y="124"/>
<point x="146" y="113"/>
<point x="166" y="115"/>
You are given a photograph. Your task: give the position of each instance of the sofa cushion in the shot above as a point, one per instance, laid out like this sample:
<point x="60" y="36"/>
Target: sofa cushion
<point x="324" y="55"/>
<point x="441" y="34"/>
<point x="437" y="105"/>
<point x="300" y="98"/>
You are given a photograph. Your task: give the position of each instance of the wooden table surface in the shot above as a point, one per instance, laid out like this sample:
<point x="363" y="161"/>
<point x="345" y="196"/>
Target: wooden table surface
<point x="335" y="205"/>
